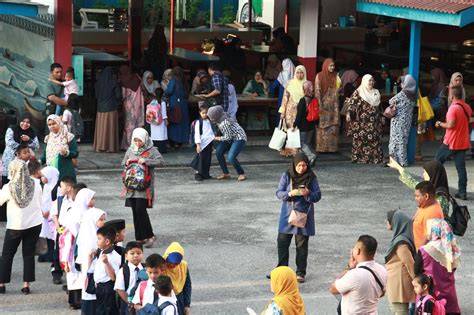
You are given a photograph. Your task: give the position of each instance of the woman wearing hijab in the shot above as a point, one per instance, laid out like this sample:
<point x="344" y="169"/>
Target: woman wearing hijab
<point x="61" y="148"/>
<point x="133" y="104"/>
<point x="298" y="190"/>
<point x="257" y="86"/>
<point x="156" y="55"/>
<point x="232" y="140"/>
<point x="287" y="299"/>
<point x="365" y="123"/>
<point x="326" y="90"/>
<point x="349" y="82"/>
<point x="21" y="133"/>
<point x="109" y="97"/>
<point x="282" y="80"/>
<point x="435" y="173"/>
<point x="50" y="177"/>
<point x="273" y="69"/>
<point x="165" y="80"/>
<point x="24" y="218"/>
<point x="446" y="97"/>
<point x="149" y="86"/>
<point x="400" y="124"/>
<point x="399" y="262"/>
<point x="177" y="269"/>
<point x="289" y="104"/>
<point x="177" y="91"/>
<point x="143" y="151"/>
<point x="440" y="258"/>
<point x="201" y="84"/>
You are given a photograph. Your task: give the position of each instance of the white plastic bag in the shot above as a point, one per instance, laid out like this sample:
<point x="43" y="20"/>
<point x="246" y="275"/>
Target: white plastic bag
<point x="278" y="138"/>
<point x="293" y="139"/>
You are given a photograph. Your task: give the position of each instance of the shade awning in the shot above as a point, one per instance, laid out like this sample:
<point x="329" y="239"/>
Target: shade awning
<point x="448" y="12"/>
<point x="23" y="8"/>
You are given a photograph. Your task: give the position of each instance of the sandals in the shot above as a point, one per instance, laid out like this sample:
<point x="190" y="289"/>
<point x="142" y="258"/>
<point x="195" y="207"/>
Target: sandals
<point x="300" y="279"/>
<point x="223" y="176"/>
<point x="150" y="242"/>
<point x="241" y="178"/>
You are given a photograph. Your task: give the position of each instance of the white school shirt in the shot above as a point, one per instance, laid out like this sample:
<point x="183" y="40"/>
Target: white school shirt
<point x="100" y="274"/>
<point x="70" y="87"/>
<point x="66" y="206"/>
<point x="233" y="104"/>
<point x="148" y="295"/>
<point x="67" y="119"/>
<point x="171" y="309"/>
<point x="120" y="279"/>
<point x="207" y="133"/>
<point x="23" y="218"/>
<point x="360" y="291"/>
<point x="160" y="132"/>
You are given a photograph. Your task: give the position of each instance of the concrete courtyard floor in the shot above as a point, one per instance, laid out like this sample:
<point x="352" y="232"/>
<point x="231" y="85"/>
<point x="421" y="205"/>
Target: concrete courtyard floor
<point x="228" y="230"/>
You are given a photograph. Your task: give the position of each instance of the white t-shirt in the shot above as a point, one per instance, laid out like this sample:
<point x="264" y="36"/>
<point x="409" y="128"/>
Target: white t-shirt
<point x="120" y="280"/>
<point x="160" y="132"/>
<point x="359" y="289"/>
<point x="233" y="104"/>
<point x="100" y="274"/>
<point x="171" y="309"/>
<point x="23" y="218"/>
<point x="207" y="133"/>
<point x="64" y="212"/>
<point x="148" y="295"/>
<point x="70" y="87"/>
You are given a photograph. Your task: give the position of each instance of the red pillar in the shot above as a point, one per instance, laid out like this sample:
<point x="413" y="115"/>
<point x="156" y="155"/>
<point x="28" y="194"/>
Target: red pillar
<point x="172" y="25"/>
<point x="287" y="13"/>
<point x="63" y="32"/>
<point x="135" y="24"/>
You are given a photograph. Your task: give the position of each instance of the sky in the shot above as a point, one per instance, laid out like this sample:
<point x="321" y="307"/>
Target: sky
<point x="46" y="2"/>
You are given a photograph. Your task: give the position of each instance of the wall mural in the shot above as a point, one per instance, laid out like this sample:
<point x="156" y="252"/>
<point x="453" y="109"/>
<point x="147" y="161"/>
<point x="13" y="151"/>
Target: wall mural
<point x="24" y="64"/>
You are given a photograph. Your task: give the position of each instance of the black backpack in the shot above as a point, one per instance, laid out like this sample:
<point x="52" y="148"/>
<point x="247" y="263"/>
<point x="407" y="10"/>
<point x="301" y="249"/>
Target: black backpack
<point x="459" y="218"/>
<point x="77" y="126"/>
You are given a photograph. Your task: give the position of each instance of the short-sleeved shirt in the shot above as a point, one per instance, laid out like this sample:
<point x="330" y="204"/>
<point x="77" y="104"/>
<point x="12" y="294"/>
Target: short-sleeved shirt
<point x="120" y="279"/>
<point x="148" y="295"/>
<point x="457" y="138"/>
<point x="360" y="291"/>
<point x="422" y="215"/>
<point x="53" y="89"/>
<point x="100" y="274"/>
<point x="220" y="83"/>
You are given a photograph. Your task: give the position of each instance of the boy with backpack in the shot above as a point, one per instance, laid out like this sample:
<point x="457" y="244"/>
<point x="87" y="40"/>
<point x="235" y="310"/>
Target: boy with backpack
<point x="145" y="291"/>
<point x="128" y="276"/>
<point x="202" y="136"/>
<point x="166" y="299"/>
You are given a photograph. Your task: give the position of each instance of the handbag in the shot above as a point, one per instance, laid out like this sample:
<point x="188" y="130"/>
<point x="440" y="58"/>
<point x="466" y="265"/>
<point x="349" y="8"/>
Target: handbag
<point x="277" y="142"/>
<point x="390" y="111"/>
<point x="293" y="139"/>
<point x="425" y="111"/>
<point x="459" y="218"/>
<point x="41" y="246"/>
<point x="175" y="115"/>
<point x="297" y="218"/>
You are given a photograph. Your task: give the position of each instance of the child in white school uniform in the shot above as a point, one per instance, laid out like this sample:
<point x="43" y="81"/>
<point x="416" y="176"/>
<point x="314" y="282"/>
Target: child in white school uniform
<point x="158" y="125"/>
<point x="145" y="293"/>
<point x="203" y="137"/>
<point x="86" y="242"/>
<point x="106" y="264"/>
<point x="166" y="298"/>
<point x="127" y="277"/>
<point x="69" y="220"/>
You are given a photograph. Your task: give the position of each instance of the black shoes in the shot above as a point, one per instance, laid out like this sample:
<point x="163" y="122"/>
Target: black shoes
<point x="460" y="196"/>
<point x="57" y="280"/>
<point x="198" y="177"/>
<point x="26" y="290"/>
<point x="3" y="290"/>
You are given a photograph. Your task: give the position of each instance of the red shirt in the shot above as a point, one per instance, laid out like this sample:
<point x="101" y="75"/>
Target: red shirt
<point x="457" y="138"/>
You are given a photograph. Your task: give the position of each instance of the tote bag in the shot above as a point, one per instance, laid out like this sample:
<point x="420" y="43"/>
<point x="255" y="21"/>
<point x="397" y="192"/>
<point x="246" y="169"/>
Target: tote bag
<point x="278" y="138"/>
<point x="293" y="139"/>
<point x="425" y="111"/>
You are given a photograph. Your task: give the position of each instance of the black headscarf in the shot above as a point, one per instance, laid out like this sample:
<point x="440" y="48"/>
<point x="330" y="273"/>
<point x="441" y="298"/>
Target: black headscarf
<point x="300" y="179"/>
<point x="18" y="132"/>
<point x="438" y="176"/>
<point x="402" y="227"/>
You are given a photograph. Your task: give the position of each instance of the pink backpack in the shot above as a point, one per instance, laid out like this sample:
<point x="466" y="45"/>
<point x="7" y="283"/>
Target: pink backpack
<point x="153" y="113"/>
<point x="439" y="305"/>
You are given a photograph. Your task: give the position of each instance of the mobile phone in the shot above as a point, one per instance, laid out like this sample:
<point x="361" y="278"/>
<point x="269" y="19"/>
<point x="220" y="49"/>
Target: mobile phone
<point x="301" y="186"/>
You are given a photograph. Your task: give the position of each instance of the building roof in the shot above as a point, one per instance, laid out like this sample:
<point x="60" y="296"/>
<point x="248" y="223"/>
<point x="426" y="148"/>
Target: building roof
<point x="443" y="6"/>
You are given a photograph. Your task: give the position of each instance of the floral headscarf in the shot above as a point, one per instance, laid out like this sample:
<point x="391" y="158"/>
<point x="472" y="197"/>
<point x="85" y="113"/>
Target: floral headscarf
<point x="22" y="186"/>
<point x="57" y="141"/>
<point x="442" y="245"/>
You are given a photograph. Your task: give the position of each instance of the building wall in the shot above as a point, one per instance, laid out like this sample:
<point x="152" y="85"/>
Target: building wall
<point x="332" y="9"/>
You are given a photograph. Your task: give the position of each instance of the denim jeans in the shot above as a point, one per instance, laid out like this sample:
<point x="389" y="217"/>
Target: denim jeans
<point x="59" y="110"/>
<point x="459" y="160"/>
<point x="234" y="147"/>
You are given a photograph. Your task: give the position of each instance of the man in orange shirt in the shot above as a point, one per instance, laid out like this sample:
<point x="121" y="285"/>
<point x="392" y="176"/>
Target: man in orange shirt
<point x="428" y="208"/>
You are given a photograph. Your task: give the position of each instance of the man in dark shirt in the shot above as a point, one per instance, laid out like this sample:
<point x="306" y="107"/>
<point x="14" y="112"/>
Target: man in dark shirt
<point x="54" y="91"/>
<point x="220" y="86"/>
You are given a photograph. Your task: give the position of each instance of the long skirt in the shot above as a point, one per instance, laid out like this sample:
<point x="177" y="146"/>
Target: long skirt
<point x="106" y="132"/>
<point x="327" y="139"/>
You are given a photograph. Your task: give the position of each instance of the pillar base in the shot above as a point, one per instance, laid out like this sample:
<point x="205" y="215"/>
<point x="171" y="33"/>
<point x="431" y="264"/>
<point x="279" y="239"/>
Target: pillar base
<point x="310" y="65"/>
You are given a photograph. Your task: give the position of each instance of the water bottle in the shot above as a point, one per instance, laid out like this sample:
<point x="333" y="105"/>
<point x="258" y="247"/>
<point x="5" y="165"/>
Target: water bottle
<point x="395" y="88"/>
<point x="387" y="85"/>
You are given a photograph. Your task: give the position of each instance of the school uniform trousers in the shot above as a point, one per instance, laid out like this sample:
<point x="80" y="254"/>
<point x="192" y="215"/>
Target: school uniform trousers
<point x="202" y="161"/>
<point x="106" y="302"/>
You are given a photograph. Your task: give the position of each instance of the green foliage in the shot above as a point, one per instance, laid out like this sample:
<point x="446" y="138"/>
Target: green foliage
<point x="228" y="14"/>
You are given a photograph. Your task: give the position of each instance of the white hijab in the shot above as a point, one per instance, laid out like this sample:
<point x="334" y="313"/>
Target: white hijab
<point x="287" y="73"/>
<point x="52" y="175"/>
<point x="78" y="208"/>
<point x="371" y="96"/>
<point x="87" y="237"/>
<point x="151" y="88"/>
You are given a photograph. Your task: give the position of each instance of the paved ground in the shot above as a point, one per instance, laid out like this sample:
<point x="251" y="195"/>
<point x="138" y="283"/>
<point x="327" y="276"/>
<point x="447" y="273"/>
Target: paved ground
<point x="228" y="230"/>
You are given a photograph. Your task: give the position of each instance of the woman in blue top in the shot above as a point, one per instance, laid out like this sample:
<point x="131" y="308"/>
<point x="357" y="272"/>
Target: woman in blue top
<point x="178" y="132"/>
<point x="299" y="190"/>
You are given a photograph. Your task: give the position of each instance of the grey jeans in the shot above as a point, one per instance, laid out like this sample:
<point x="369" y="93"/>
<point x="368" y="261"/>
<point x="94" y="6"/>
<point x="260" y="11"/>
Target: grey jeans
<point x="306" y="138"/>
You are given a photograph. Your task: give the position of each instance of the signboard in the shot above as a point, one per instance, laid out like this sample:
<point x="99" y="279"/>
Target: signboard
<point x="78" y="65"/>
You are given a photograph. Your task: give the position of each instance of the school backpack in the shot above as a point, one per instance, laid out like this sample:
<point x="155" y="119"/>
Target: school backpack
<point x="154" y="309"/>
<point x="153" y="113"/>
<point x="140" y="285"/>
<point x="77" y="126"/>
<point x="439" y="305"/>
<point x="193" y="125"/>
<point x="136" y="176"/>
<point x="313" y="110"/>
<point x="460" y="215"/>
<point x="126" y="275"/>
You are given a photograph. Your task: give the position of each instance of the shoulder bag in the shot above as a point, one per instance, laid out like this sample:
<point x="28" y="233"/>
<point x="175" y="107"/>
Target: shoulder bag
<point x="390" y="111"/>
<point x="376" y="279"/>
<point x="297" y="218"/>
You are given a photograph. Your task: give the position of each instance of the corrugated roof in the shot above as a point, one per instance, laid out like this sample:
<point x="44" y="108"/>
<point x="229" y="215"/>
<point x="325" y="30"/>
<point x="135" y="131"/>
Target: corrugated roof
<point x="444" y="6"/>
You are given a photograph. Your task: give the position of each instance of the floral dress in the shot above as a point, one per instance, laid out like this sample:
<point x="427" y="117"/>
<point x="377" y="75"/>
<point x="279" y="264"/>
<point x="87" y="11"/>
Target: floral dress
<point x="400" y="128"/>
<point x="366" y="131"/>
<point x="288" y="109"/>
<point x="328" y="129"/>
<point x="134" y="114"/>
